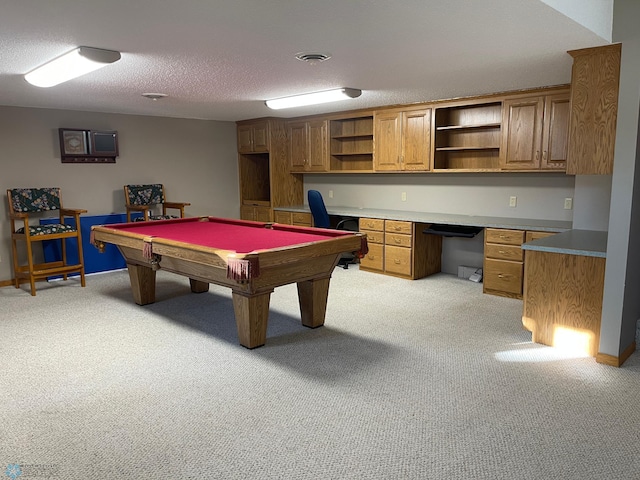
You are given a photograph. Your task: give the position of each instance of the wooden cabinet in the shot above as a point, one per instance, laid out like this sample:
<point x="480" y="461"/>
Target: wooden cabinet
<point x="400" y="248"/>
<point x="402" y="140"/>
<point x="257" y="213"/>
<point x="562" y="304"/>
<point x="535" y="132"/>
<point x="253" y="137"/>
<point x="264" y="177"/>
<point x="467" y="136"/>
<point x="503" y="262"/>
<point x="308" y="146"/>
<point x="301" y="219"/>
<point x="595" y="81"/>
<point x="503" y="268"/>
<point x="351" y="143"/>
<point x="374" y="259"/>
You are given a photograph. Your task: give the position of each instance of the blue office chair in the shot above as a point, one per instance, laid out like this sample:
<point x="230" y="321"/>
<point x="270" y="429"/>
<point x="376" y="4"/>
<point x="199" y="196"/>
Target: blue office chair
<point x="321" y="219"/>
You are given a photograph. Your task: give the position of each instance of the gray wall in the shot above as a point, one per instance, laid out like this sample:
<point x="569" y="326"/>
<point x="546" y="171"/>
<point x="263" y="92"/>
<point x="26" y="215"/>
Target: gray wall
<point x="196" y="160"/>
<point x="621" y="303"/>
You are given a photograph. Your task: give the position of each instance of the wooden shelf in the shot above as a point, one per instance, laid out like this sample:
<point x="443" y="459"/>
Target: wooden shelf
<point x="339" y="154"/>
<point x="468" y="127"/>
<point x="351" y="137"/>
<point x="456" y="149"/>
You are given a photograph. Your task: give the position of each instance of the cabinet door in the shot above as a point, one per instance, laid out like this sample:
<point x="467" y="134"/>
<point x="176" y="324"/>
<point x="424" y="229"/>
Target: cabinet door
<point x="260" y="132"/>
<point x="298" y="146"/>
<point x="317" y="139"/>
<point x="244" y="139"/>
<point x="247" y="212"/>
<point x="522" y="137"/>
<point x="263" y="214"/>
<point x="555" y="139"/>
<point x="416" y="139"/>
<point x="387" y="141"/>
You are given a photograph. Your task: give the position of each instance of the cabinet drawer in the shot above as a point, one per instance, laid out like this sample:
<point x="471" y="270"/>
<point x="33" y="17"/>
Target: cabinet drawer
<point x="398" y="239"/>
<point x="374" y="259"/>
<point x="372" y="224"/>
<point x="282" y="217"/>
<point x="397" y="260"/>
<point x="503" y="275"/>
<point x="303" y="219"/>
<point x="395" y="226"/>
<point x="373" y="236"/>
<point x="504" y="252"/>
<point x="536" y="235"/>
<point x="508" y="237"/>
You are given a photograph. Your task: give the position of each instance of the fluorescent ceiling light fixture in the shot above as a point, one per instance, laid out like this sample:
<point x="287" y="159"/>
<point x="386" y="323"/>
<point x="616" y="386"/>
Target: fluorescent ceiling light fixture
<point x="71" y="65"/>
<point x="313" y="98"/>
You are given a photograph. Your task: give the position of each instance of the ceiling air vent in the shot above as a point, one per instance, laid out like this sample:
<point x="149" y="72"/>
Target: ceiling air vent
<point x="313" y="58"/>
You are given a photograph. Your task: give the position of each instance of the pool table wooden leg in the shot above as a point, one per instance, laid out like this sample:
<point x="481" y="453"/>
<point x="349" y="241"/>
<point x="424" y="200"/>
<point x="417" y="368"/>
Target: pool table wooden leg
<point x="312" y="296"/>
<point x="252" y="313"/>
<point x="143" y="283"/>
<point x="198" y="287"/>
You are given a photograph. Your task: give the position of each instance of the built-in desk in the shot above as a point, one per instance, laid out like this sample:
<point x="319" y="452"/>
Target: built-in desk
<point x="443" y="218"/>
<point x="398" y="246"/>
<point x="563" y="290"/>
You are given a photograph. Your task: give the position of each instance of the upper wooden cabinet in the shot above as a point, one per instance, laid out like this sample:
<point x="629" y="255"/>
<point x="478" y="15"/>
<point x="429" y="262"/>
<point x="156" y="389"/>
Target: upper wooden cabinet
<point x="402" y="140"/>
<point x="595" y="81"/>
<point x="308" y="146"/>
<point x="253" y="137"/>
<point x="535" y="132"/>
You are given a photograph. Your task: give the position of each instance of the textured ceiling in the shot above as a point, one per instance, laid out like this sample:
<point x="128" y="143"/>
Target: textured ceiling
<point x="220" y="59"/>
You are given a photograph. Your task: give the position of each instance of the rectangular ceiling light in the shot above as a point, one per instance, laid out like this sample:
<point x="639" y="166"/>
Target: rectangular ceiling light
<point x="313" y="98"/>
<point x="71" y="65"/>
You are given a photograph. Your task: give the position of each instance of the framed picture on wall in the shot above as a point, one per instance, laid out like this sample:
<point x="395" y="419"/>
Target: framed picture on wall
<point x="73" y="142"/>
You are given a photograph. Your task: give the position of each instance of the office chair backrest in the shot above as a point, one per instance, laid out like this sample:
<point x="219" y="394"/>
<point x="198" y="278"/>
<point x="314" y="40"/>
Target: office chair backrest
<point x="318" y="209"/>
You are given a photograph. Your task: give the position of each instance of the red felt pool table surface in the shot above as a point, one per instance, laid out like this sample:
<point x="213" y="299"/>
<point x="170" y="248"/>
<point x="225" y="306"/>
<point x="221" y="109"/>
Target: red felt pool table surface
<point x="252" y="258"/>
<point x="240" y="236"/>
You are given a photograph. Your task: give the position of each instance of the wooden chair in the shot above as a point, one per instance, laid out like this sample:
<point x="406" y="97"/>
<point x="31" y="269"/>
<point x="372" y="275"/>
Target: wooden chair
<point x="146" y="198"/>
<point x="26" y="203"/>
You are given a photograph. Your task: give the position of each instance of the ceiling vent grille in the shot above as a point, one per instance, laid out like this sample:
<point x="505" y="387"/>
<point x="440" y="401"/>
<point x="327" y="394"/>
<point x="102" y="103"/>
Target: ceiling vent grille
<point x="313" y="58"/>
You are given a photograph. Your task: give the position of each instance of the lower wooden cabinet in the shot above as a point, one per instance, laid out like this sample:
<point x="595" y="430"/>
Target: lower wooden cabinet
<point x="400" y="248"/>
<point x="503" y="268"/>
<point x="256" y="213"/>
<point x="293" y="218"/>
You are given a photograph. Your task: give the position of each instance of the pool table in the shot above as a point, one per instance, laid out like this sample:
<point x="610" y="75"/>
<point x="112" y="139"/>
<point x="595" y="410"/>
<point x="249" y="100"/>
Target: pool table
<point x="252" y="258"/>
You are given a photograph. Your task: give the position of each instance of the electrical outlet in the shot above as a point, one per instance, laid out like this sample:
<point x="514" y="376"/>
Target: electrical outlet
<point x="404" y="196"/>
<point x="513" y="201"/>
<point x="568" y="203"/>
<point x="330" y="193"/>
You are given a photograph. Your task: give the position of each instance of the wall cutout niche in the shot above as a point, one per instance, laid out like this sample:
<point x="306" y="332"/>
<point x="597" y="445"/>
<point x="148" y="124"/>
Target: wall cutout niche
<point x="88" y="146"/>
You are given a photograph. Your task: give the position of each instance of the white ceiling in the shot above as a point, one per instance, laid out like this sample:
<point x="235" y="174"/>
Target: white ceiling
<point x="220" y="59"/>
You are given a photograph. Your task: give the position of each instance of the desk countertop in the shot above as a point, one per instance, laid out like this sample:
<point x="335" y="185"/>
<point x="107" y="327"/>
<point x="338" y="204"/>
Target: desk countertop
<point x="590" y="243"/>
<point x="444" y="218"/>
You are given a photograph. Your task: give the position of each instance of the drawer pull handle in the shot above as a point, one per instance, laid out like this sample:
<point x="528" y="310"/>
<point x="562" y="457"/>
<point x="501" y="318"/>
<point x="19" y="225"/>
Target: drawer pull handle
<point x="501" y="275"/>
<point x="501" y="251"/>
<point x="397" y="240"/>
<point x="396" y="261"/>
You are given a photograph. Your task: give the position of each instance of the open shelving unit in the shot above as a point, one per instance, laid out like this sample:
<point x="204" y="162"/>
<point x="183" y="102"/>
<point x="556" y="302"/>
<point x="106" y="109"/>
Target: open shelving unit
<point x="351" y="144"/>
<point x="467" y="137"/>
